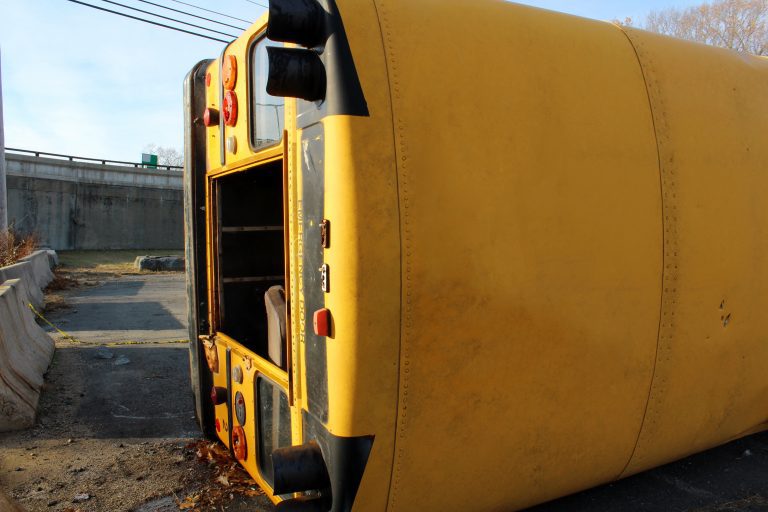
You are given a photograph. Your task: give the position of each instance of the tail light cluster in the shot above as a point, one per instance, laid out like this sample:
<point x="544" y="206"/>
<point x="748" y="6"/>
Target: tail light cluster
<point x="229" y="103"/>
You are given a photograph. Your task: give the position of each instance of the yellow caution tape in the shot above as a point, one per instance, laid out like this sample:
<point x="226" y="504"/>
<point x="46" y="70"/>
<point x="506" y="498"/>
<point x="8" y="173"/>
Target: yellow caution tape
<point x="116" y="343"/>
<point x="71" y="338"/>
<point x="63" y="334"/>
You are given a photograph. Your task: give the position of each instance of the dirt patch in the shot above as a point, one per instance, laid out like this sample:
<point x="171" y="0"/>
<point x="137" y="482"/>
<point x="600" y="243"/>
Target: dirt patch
<point x="103" y="475"/>
<point x="98" y="448"/>
<point x="116" y="429"/>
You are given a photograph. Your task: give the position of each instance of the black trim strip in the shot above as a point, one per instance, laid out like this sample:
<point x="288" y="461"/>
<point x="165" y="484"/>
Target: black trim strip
<point x="345" y="459"/>
<point x="312" y="205"/>
<point x="195" y="243"/>
<point x="229" y="402"/>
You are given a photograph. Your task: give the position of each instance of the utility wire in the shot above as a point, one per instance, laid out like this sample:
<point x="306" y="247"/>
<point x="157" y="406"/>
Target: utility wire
<point x="148" y="21"/>
<point x="190" y="14"/>
<point x="169" y="18"/>
<point x="214" y="12"/>
<point x="257" y="3"/>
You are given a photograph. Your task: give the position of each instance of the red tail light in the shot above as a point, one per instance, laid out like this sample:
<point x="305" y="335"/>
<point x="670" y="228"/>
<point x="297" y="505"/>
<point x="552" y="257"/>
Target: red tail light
<point x="230" y="108"/>
<point x="210" y="117"/>
<point x="218" y="395"/>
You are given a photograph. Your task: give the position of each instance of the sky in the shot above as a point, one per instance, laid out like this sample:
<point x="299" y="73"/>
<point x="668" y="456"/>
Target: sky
<point x="83" y="82"/>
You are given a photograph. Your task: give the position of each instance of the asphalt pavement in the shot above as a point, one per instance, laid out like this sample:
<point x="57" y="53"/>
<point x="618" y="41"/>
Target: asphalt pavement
<point x="142" y="308"/>
<point x="733" y="477"/>
<point x="121" y="371"/>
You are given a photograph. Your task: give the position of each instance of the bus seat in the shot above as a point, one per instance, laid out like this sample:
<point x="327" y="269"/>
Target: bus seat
<point x="276" y="309"/>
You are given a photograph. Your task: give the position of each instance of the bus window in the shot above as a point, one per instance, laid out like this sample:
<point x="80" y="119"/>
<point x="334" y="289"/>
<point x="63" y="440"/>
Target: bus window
<point x="274" y="424"/>
<point x="266" y="111"/>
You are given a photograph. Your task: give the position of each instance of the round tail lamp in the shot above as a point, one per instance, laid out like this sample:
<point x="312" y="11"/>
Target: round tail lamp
<point x="218" y="395"/>
<point x="230" y="108"/>
<point x="210" y="117"/>
<point x="239" y="445"/>
<point x="229" y="72"/>
<point x="240" y="412"/>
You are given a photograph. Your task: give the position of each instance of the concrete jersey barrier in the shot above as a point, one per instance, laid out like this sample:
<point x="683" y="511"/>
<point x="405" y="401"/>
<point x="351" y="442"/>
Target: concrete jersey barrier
<point x="39" y="347"/>
<point x="25" y="272"/>
<point x="41" y="268"/>
<point x="25" y="353"/>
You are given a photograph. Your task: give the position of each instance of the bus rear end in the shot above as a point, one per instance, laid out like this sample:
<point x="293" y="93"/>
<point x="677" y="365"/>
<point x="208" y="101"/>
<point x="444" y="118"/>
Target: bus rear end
<point x="282" y="259"/>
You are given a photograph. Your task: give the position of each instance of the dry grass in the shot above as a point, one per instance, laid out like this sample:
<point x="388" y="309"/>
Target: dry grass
<point x="14" y="246"/>
<point x="88" y="268"/>
<point x="107" y="263"/>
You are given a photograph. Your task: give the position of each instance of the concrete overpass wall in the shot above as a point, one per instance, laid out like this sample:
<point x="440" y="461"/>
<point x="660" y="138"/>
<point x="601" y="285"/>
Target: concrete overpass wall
<point x="81" y="206"/>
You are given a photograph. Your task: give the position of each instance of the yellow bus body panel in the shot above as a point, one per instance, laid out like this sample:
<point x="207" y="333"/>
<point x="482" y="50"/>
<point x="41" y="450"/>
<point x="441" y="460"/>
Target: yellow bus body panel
<point x="710" y="108"/>
<point x="548" y="251"/>
<point x="530" y="210"/>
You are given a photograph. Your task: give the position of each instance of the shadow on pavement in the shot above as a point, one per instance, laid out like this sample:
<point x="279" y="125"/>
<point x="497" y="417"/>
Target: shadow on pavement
<point x="120" y="288"/>
<point x="130" y="391"/>
<point x="733" y="477"/>
<point x="105" y="316"/>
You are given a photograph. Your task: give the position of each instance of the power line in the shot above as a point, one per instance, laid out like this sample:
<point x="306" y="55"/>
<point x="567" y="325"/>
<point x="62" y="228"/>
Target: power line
<point x="148" y="21"/>
<point x="257" y="3"/>
<point x="214" y="12"/>
<point x="168" y="18"/>
<point x="190" y="14"/>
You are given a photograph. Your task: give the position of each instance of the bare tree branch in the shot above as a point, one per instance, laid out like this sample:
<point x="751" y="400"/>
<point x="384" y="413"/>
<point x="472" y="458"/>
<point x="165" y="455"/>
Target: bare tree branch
<point x="740" y="25"/>
<point x="165" y="156"/>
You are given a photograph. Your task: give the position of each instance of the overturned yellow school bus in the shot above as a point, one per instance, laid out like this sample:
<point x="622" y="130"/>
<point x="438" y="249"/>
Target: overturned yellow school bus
<point x="435" y="241"/>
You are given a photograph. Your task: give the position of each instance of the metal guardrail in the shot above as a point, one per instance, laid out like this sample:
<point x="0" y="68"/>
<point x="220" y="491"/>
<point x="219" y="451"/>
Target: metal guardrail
<point x="102" y="161"/>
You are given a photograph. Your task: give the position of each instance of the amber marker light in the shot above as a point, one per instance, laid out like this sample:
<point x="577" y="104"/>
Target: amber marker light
<point x="239" y="444"/>
<point x="229" y="72"/>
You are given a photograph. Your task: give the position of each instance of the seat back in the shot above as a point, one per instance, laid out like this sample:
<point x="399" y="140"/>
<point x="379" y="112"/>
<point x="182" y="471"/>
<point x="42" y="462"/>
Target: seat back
<point x="274" y="300"/>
